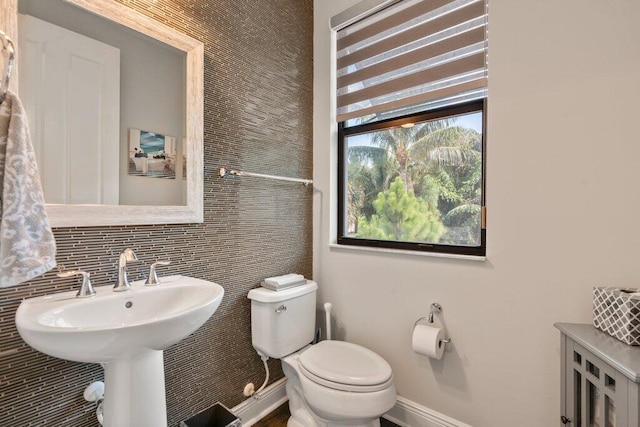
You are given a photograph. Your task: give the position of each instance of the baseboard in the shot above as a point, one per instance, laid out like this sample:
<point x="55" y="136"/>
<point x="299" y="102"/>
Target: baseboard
<point x="410" y="414"/>
<point x="253" y="410"/>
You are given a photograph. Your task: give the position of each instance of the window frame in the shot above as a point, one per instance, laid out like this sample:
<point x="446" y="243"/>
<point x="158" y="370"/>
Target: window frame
<point x="434" y="114"/>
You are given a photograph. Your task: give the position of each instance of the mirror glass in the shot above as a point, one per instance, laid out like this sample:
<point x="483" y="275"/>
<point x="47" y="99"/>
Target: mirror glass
<point x="106" y="107"/>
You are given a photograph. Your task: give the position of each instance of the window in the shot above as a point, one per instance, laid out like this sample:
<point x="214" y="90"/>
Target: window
<point x="411" y="107"/>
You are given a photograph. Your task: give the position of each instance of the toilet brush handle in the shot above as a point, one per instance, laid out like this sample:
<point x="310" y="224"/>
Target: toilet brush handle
<point x="327" y="318"/>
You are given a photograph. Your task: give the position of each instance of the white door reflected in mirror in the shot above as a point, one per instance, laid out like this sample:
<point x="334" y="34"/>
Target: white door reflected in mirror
<point x="70" y="88"/>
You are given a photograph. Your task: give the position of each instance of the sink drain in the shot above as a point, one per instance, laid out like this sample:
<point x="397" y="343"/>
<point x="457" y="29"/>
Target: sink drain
<point x="128" y="304"/>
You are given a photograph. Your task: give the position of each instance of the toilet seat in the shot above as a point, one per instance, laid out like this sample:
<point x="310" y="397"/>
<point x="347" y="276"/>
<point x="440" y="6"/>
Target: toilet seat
<point x="345" y="366"/>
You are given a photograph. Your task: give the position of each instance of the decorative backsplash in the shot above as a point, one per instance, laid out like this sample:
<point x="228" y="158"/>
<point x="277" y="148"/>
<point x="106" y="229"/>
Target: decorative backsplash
<point x="258" y="117"/>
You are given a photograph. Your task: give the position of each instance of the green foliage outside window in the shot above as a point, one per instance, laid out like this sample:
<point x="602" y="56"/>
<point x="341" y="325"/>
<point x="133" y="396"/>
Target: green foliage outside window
<point x="400" y="215"/>
<point x="417" y="184"/>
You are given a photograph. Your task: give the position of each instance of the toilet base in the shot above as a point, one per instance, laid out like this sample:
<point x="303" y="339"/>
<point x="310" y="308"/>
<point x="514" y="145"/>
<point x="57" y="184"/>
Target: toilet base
<point x="294" y="422"/>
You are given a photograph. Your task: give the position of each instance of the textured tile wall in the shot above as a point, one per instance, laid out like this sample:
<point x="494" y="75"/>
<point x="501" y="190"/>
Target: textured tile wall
<point x="258" y="112"/>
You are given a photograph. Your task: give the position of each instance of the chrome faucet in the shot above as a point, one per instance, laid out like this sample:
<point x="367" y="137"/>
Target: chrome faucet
<point x="123" y="284"/>
<point x="86" y="290"/>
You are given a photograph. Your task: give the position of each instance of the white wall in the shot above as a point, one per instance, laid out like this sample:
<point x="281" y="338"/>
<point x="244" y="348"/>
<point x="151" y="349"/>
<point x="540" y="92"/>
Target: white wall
<point x="563" y="208"/>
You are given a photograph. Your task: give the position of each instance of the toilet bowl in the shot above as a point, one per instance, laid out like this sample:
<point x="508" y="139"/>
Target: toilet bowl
<point x="331" y="383"/>
<point x="338" y="383"/>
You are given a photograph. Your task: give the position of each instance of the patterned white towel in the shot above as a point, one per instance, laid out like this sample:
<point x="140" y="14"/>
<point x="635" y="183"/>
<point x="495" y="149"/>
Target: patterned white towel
<point x="27" y="245"/>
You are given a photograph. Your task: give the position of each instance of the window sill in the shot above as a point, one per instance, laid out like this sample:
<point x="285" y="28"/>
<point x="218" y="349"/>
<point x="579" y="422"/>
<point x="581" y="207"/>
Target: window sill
<point x="347" y="248"/>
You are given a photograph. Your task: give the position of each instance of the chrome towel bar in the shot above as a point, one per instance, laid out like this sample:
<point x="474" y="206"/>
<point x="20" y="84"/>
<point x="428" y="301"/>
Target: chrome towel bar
<point x="224" y="172"/>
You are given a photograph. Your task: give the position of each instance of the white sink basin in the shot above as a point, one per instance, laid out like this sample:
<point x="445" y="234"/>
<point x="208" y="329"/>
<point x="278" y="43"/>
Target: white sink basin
<point x="103" y="327"/>
<point x="126" y="331"/>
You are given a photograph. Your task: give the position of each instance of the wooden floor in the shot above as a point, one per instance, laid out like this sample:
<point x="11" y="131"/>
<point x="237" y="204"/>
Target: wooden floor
<point x="279" y="417"/>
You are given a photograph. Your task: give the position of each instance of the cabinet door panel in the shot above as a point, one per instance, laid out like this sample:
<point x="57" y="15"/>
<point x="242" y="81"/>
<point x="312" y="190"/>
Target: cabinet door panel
<point x="596" y="394"/>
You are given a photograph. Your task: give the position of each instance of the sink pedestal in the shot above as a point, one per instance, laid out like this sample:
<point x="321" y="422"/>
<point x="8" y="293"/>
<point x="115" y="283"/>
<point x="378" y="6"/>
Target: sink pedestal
<point x="134" y="394"/>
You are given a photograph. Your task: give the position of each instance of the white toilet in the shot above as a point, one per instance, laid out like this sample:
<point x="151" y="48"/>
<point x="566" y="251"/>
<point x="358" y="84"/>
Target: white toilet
<point x="332" y="383"/>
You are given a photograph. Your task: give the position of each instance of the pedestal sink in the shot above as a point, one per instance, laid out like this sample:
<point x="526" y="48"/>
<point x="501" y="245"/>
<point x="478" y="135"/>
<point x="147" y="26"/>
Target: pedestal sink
<point x="125" y="331"/>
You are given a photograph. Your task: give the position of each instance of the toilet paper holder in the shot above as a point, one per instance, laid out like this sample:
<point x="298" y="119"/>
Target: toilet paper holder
<point x="435" y="309"/>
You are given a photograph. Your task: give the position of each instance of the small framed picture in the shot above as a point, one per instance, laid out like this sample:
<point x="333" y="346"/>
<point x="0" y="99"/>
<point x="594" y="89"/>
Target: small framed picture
<point x="152" y="154"/>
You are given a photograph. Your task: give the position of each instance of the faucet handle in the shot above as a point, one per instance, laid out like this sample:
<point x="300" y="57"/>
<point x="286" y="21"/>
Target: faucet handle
<point x="86" y="289"/>
<point x="153" y="279"/>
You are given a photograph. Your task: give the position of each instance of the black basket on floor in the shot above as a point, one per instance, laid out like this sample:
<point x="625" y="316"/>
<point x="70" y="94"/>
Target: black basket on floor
<point x="217" y="415"/>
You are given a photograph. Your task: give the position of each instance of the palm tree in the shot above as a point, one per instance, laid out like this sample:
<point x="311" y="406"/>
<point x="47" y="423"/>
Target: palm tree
<point x="370" y="172"/>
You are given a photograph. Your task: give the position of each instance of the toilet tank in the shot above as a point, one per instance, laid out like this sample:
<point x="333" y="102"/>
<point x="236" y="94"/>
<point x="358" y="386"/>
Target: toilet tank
<point x="282" y="322"/>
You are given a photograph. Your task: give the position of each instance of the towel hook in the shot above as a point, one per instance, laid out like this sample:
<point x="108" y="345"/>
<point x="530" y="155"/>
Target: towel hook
<point x="7" y="45"/>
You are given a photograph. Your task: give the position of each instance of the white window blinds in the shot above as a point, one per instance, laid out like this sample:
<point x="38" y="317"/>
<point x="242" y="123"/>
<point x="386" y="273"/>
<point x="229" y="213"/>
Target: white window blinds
<point x="414" y="52"/>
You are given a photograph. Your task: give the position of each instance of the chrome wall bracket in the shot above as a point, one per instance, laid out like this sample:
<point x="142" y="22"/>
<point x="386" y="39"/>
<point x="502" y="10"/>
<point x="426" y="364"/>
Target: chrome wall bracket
<point x="435" y="309"/>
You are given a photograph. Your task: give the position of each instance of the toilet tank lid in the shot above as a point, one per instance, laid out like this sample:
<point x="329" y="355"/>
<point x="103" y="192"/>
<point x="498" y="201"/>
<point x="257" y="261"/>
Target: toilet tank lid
<point x="267" y="295"/>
